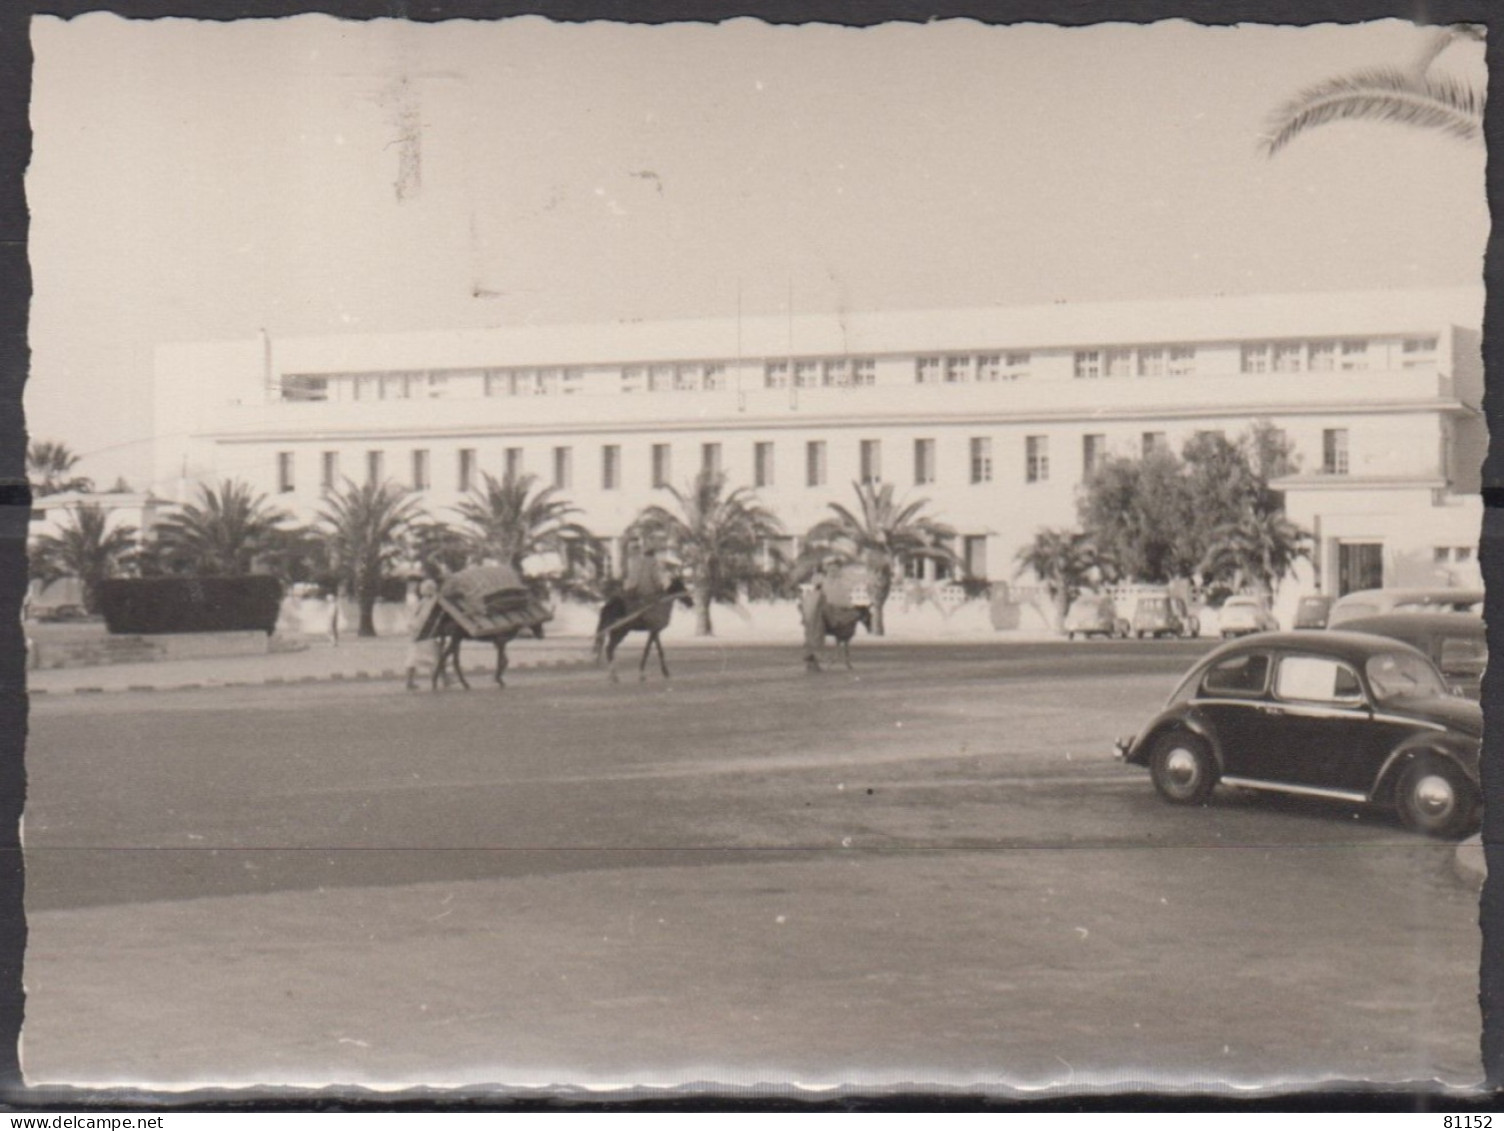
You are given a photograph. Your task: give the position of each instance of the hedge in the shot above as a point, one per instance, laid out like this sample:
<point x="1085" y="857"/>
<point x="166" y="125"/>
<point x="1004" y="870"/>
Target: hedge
<point x="152" y="605"/>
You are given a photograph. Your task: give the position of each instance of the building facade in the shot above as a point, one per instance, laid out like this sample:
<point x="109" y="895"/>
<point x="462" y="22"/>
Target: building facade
<point x="994" y="415"/>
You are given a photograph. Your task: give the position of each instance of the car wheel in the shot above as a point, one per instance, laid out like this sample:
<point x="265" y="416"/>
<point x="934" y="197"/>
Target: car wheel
<point x="1182" y="768"/>
<point x="1434" y="797"/>
<point x="1070" y="636"/>
<point x="1140" y="635"/>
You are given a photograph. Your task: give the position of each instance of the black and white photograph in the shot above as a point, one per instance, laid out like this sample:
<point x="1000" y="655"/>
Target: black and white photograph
<point x="746" y="556"/>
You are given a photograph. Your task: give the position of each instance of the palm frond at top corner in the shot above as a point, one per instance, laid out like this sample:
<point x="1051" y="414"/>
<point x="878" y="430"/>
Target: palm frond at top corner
<point x="1435" y="102"/>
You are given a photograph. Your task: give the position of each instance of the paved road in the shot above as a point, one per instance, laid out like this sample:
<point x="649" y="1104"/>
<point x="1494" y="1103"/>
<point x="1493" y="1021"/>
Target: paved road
<point x="930" y="868"/>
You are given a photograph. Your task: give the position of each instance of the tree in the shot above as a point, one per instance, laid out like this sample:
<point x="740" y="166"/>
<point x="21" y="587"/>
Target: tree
<point x="1258" y="548"/>
<point x="1414" y="96"/>
<point x="226" y="533"/>
<point x="884" y="535"/>
<point x="365" y="528"/>
<point x="85" y="548"/>
<point x="437" y="547"/>
<point x="1137" y="513"/>
<point x="510" y="520"/>
<point x="1166" y="518"/>
<point x="717" y="534"/>
<point x="1065" y="562"/>
<point x="49" y="466"/>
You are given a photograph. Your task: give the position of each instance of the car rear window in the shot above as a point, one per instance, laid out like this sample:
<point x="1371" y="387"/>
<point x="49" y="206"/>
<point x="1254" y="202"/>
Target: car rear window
<point x="1463" y="650"/>
<point x="1237" y="675"/>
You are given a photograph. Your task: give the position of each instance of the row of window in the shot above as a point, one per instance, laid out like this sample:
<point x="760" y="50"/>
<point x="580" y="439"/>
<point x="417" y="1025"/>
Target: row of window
<point x="1167" y="360"/>
<point x="1036" y="468"/>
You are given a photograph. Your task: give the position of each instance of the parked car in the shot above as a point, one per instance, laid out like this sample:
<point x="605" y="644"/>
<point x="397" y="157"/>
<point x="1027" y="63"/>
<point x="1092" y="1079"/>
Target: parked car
<point x="1243" y="615"/>
<point x="1376" y="602"/>
<point x="1312" y="611"/>
<point x="1456" y="642"/>
<point x="59" y="614"/>
<point x="1095" y="615"/>
<point x="1343" y="715"/>
<point x="1164" y="616"/>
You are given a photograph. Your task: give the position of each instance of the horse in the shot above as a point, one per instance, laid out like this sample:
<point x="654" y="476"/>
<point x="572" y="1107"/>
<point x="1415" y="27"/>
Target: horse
<point x="450" y="634"/>
<point x="822" y="619"/>
<point x="619" y="617"/>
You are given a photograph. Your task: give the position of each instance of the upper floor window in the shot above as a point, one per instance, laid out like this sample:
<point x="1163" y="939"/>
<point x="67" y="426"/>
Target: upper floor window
<point x="1323" y="356"/>
<point x="660" y="378"/>
<point x="1288" y="357"/>
<point x="466" y="475"/>
<point x="663" y="468"/>
<point x="981" y="459"/>
<point x="989" y="367"/>
<point x="563" y="467"/>
<point x="420" y="469"/>
<point x="1182" y="361"/>
<point x="864" y="371"/>
<point x="872" y="461"/>
<point x="710" y="459"/>
<point x="1155" y="442"/>
<point x="1016" y="364"/>
<point x="300" y="387"/>
<point x="957" y="369"/>
<point x="375" y="467"/>
<point x="927" y="370"/>
<point x="285" y="472"/>
<point x="837" y="374"/>
<point x="513" y="463"/>
<point x="1355" y="354"/>
<point x="1151" y="362"/>
<point x="775" y="375"/>
<point x="1118" y="362"/>
<point x="687" y="377"/>
<point x="1334" y="451"/>
<point x="1257" y="358"/>
<point x="610" y="467"/>
<point x="806" y="374"/>
<point x="713" y="377"/>
<point x="633" y="379"/>
<point x="1036" y="459"/>
<point x="329" y="470"/>
<point x="1088" y="363"/>
<point x="1418" y="353"/>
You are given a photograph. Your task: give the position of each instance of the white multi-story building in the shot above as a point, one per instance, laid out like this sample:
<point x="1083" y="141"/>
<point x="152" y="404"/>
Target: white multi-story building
<point x="995" y="414"/>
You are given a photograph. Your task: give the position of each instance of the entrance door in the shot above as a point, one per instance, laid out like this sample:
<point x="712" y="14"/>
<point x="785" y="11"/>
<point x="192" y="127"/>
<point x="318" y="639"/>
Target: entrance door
<point x="1360" y="565"/>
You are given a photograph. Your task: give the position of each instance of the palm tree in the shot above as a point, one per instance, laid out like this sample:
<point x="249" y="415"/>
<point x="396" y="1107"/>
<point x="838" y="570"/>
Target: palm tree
<point x="883" y="534"/>
<point x="511" y="521"/>
<point x="1258" y="548"/>
<point x="1413" y="96"/>
<point x="717" y="534"/>
<point x="365" y="528"/>
<point x="1064" y="562"/>
<point x="438" y="547"/>
<point x="86" y="549"/>
<point x="226" y="533"/>
<point x="48" y="466"/>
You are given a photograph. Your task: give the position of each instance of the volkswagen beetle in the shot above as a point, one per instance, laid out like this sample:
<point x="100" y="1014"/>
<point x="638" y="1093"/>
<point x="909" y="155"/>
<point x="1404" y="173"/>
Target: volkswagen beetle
<point x="1342" y="715"/>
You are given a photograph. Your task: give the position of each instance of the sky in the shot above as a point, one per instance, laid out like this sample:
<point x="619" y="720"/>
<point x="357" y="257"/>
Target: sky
<point x="196" y="180"/>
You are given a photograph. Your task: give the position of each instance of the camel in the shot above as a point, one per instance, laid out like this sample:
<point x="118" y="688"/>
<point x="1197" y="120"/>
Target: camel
<point x="822" y="618"/>
<point x="450" y="634"/>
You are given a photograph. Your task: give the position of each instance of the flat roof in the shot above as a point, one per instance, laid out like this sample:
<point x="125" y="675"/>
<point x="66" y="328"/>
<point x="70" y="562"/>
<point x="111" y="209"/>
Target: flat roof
<point x="991" y="328"/>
